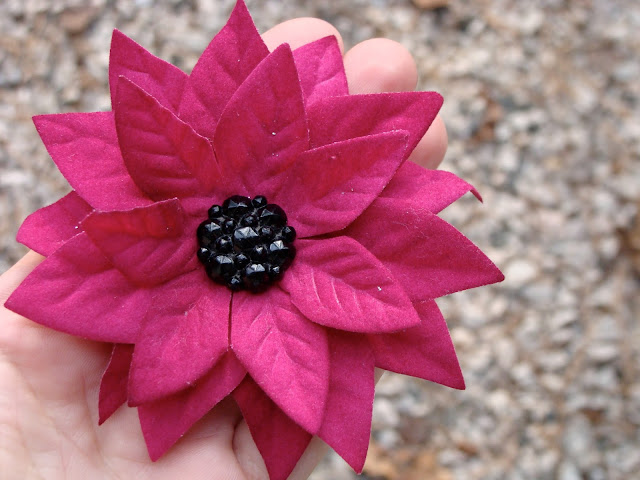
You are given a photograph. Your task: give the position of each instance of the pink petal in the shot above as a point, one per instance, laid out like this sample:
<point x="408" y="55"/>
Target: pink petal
<point x="77" y="291"/>
<point x="160" y="79"/>
<point x="337" y="118"/>
<point x="321" y="69"/>
<point x="433" y="189"/>
<point x="184" y="335"/>
<point x="149" y="245"/>
<point x="346" y="426"/>
<point x="85" y="148"/>
<point x="424" y="351"/>
<point x="425" y="254"/>
<point x="280" y="441"/>
<point x="48" y="228"/>
<point x="165" y="421"/>
<point x="113" y="387"/>
<point x="230" y="57"/>
<point x="347" y="177"/>
<point x="284" y="353"/>
<point x="263" y="129"/>
<point x="336" y="282"/>
<point x="165" y="156"/>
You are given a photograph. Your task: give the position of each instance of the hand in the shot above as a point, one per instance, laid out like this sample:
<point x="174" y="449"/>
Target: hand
<point x="49" y="380"/>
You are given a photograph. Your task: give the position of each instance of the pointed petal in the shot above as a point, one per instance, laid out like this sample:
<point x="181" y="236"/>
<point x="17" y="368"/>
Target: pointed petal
<point x="230" y="57"/>
<point x="424" y="351"/>
<point x="162" y="80"/>
<point x="45" y="230"/>
<point x="263" y="129"/>
<point x="321" y="69"/>
<point x="165" y="421"/>
<point x="338" y="118"/>
<point x="113" y="387"/>
<point x="336" y="282"/>
<point x="184" y="335"/>
<point x="149" y="245"/>
<point x="436" y="259"/>
<point x="346" y="426"/>
<point x="347" y="177"/>
<point x="280" y="441"/>
<point x="77" y="291"/>
<point x="165" y="156"/>
<point x="284" y="353"/>
<point x="85" y="148"/>
<point x="433" y="189"/>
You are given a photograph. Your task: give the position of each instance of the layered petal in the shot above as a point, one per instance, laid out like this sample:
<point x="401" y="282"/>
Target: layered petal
<point x="163" y="422"/>
<point x="184" y="334"/>
<point x="165" y="157"/>
<point x="346" y="425"/>
<point x="321" y="69"/>
<point x="334" y="119"/>
<point x="425" y="254"/>
<point x="76" y="290"/>
<point x="347" y="177"/>
<point x="424" y="351"/>
<point x="283" y="352"/>
<point x="432" y="189"/>
<point x="337" y="283"/>
<point x="263" y="129"/>
<point x="148" y="245"/>
<point x="113" y="387"/>
<point x="48" y="228"/>
<point x="280" y="441"/>
<point x="85" y="148"/>
<point x="160" y="79"/>
<point x="228" y="60"/>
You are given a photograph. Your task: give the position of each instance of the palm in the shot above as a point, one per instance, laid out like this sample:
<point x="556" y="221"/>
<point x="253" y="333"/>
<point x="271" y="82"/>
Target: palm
<point x="49" y="381"/>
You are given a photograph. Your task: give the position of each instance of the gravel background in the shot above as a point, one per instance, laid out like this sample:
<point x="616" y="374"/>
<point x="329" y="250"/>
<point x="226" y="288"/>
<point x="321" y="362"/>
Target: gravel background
<point x="542" y="111"/>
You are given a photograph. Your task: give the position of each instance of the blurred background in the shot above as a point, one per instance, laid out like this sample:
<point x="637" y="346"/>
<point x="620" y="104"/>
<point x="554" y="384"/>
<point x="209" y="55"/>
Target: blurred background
<point x="542" y="108"/>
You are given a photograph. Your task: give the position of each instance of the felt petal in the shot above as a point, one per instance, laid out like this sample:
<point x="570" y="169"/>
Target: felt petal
<point x="321" y="69"/>
<point x="347" y="177"/>
<point x="163" y="422"/>
<point x="346" y="426"/>
<point x="113" y="387"/>
<point x="336" y="282"/>
<point x="284" y="353"/>
<point x="230" y="57"/>
<point x="85" y="148"/>
<point x="48" y="228"/>
<point x="76" y="290"/>
<point x="149" y="245"/>
<point x="184" y="335"/>
<point x="334" y="119"/>
<point x="263" y="129"/>
<point x="433" y="189"/>
<point x="425" y="254"/>
<point x="160" y="79"/>
<point x="280" y="441"/>
<point x="165" y="156"/>
<point x="424" y="351"/>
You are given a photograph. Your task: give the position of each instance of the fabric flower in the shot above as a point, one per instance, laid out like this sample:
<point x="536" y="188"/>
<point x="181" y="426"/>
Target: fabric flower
<point x="127" y="261"/>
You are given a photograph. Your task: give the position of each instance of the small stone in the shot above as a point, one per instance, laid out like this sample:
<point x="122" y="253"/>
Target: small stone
<point x="520" y="272"/>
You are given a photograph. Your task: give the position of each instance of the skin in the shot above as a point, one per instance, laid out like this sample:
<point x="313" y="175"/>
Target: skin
<point x="49" y="380"/>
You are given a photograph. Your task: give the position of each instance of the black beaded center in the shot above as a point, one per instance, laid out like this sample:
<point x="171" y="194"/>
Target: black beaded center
<point x="245" y="243"/>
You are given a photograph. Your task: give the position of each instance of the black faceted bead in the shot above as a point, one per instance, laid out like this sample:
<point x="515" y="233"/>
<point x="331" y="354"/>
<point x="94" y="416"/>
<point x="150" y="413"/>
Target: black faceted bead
<point x="215" y="211"/>
<point x="204" y="255"/>
<point x="267" y="233"/>
<point x="288" y="234"/>
<point x="249" y="220"/>
<point x="245" y="237"/>
<point x="229" y="225"/>
<point x="207" y="232"/>
<point x="259" y="253"/>
<point x="273" y="215"/>
<point x="275" y="272"/>
<point x="235" y="283"/>
<point x="237" y="206"/>
<point x="278" y="251"/>
<point x="221" y="266"/>
<point x="256" y="276"/>
<point x="242" y="260"/>
<point x="224" y="244"/>
<point x="259" y="201"/>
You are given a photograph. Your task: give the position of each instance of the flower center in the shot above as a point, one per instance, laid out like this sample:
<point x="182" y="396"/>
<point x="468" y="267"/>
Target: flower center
<point x="245" y="243"/>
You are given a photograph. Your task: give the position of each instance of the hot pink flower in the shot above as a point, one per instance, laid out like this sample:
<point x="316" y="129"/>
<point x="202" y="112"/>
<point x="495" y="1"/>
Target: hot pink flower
<point x="299" y="357"/>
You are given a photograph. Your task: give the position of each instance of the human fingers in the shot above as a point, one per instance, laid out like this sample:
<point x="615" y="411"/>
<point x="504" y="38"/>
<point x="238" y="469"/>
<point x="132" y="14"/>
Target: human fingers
<point x="10" y="280"/>
<point x="300" y="31"/>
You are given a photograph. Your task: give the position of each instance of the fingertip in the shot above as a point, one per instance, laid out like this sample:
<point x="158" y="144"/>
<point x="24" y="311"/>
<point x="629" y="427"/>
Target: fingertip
<point x="380" y="65"/>
<point x="16" y="274"/>
<point x="432" y="147"/>
<point x="300" y="31"/>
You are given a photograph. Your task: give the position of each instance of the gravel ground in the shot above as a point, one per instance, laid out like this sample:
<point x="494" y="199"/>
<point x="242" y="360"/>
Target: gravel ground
<point x="542" y="109"/>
